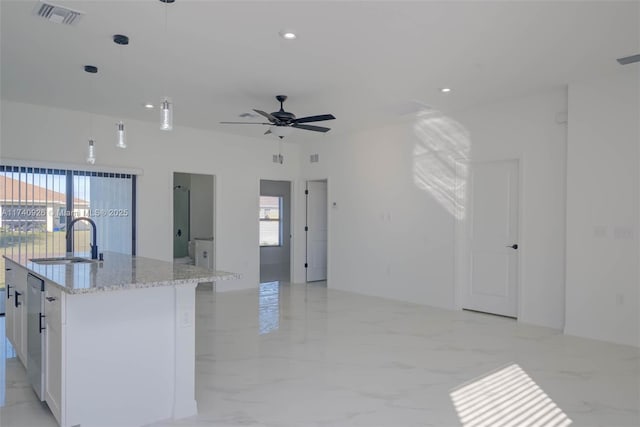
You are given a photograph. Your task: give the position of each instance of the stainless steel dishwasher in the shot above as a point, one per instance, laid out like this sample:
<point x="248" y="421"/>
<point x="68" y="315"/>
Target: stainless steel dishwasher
<point x="35" y="337"/>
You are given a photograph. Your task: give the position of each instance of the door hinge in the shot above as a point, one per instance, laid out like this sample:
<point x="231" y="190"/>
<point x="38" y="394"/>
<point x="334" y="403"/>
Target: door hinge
<point x="306" y="192"/>
<point x="306" y="228"/>
<point x="306" y="265"/>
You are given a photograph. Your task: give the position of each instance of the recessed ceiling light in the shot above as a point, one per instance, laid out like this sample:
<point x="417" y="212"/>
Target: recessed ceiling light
<point x="287" y="35"/>
<point x="445" y="90"/>
<point x="148" y="106"/>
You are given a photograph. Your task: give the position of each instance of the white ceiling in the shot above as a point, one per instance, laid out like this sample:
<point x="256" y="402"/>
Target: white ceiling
<point x="363" y="61"/>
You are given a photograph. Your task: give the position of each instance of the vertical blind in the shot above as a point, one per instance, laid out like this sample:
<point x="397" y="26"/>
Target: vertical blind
<point x="36" y="204"/>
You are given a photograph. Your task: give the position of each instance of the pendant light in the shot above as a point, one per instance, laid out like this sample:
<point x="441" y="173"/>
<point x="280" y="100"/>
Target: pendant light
<point x="91" y="149"/>
<point x="91" y="153"/>
<point x="166" y="106"/>
<point x="122" y="137"/>
<point x="121" y="40"/>
<point x="166" y="114"/>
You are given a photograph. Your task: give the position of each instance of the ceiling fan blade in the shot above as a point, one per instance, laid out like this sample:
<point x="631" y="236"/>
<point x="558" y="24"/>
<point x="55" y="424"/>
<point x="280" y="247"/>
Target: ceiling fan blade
<point x="244" y="123"/>
<point x="319" y="118"/>
<point x="267" y="115"/>
<point x="629" y="59"/>
<point x="310" y="127"/>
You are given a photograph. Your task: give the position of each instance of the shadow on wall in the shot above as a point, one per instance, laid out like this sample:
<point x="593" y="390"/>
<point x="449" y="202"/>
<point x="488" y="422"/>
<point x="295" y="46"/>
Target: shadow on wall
<point x="440" y="159"/>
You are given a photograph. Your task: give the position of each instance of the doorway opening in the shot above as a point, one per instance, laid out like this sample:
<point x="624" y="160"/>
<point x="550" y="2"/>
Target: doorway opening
<point x="316" y="229"/>
<point x="274" y="217"/>
<point x="193" y="219"/>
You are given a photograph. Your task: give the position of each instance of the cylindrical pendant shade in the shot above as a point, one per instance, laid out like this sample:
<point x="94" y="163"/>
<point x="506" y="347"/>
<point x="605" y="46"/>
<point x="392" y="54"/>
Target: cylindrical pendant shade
<point x="166" y="115"/>
<point x="122" y="137"/>
<point x="91" y="153"/>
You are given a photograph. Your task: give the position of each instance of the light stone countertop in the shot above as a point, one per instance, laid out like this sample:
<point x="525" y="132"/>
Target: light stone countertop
<point x="118" y="272"/>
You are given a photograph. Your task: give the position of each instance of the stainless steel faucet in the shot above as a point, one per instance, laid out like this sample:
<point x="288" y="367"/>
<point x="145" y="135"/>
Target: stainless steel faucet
<point x="94" y="245"/>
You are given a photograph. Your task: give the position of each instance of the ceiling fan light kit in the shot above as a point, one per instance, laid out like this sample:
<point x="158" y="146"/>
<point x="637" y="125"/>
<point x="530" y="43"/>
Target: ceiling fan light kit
<point x="281" y="122"/>
<point x="280" y="131"/>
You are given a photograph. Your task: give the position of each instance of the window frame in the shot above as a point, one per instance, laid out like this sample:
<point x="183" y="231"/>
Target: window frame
<point x="269" y="220"/>
<point x="61" y="213"/>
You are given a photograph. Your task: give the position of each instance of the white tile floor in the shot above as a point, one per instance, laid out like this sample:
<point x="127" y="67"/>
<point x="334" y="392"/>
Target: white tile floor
<point x="302" y="355"/>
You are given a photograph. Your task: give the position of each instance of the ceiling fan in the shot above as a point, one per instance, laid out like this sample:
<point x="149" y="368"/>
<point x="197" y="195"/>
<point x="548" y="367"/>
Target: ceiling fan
<point x="282" y="121"/>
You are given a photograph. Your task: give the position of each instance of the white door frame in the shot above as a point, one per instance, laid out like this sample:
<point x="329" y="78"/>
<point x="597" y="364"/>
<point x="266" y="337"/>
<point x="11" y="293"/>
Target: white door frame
<point x="216" y="196"/>
<point x="291" y="235"/>
<point x="462" y="248"/>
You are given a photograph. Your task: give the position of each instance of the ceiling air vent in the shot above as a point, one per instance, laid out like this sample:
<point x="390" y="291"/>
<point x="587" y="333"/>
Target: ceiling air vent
<point x="57" y="14"/>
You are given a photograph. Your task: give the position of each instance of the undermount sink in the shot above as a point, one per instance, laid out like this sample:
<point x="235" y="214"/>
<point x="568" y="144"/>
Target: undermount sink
<point x="61" y="260"/>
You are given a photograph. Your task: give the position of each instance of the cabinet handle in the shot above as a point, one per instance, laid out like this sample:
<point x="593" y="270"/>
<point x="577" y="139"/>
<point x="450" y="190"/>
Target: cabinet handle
<point x="17" y="294"/>
<point x="51" y="299"/>
<point x="8" y="290"/>
<point x="41" y="316"/>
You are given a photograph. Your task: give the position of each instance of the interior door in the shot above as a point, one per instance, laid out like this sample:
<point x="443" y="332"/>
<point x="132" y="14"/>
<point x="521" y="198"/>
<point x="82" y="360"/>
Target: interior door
<point x="316" y="229"/>
<point x="493" y="260"/>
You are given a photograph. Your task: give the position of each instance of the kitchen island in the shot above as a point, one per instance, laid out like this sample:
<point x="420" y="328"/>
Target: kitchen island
<point x="119" y="337"/>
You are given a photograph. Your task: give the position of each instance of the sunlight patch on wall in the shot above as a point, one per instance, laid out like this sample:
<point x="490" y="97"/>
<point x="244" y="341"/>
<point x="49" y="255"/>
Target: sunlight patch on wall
<point x="507" y="397"/>
<point x="439" y="159"/>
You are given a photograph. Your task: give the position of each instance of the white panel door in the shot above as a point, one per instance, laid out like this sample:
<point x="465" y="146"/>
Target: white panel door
<point x="493" y="270"/>
<point x="316" y="231"/>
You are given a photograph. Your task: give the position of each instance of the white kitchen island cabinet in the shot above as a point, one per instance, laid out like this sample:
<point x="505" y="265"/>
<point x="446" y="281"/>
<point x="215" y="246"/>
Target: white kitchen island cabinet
<point x="16" y="313"/>
<point x="119" y="339"/>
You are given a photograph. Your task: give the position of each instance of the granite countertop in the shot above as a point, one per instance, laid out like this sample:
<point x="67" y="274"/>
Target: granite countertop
<point x="119" y="272"/>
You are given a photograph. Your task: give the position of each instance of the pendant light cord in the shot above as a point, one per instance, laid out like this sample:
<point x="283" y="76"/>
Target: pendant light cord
<point x="166" y="41"/>
<point x="91" y="103"/>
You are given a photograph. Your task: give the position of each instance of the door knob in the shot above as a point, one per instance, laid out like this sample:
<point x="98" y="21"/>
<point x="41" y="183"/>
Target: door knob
<point x="514" y="246"/>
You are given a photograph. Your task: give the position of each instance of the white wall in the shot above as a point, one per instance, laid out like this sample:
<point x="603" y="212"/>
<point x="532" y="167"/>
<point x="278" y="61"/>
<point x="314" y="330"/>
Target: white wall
<point x="527" y="129"/>
<point x="54" y="135"/>
<point x="392" y="231"/>
<point x="603" y="284"/>
<point x="201" y="213"/>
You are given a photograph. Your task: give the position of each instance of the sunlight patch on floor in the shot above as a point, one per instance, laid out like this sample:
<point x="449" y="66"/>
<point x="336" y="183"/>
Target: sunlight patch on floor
<point x="507" y="397"/>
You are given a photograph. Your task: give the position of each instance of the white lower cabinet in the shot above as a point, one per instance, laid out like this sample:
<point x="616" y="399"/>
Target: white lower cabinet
<point x="16" y="332"/>
<point x="53" y="353"/>
<point x="16" y="308"/>
<point x="10" y="311"/>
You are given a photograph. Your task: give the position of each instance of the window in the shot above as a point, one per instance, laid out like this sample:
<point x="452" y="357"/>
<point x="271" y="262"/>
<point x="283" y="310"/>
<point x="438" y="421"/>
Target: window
<point x="270" y="221"/>
<point x="37" y="203"/>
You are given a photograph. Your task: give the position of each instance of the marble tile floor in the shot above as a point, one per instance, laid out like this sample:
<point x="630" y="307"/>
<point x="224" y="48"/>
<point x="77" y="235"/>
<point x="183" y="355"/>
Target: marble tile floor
<point x="304" y="355"/>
